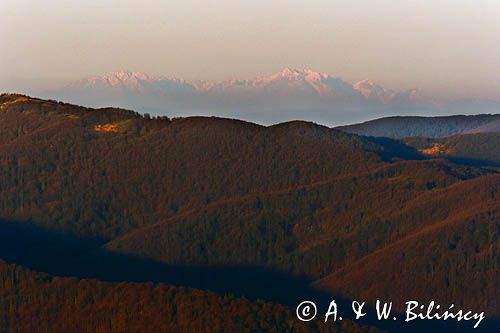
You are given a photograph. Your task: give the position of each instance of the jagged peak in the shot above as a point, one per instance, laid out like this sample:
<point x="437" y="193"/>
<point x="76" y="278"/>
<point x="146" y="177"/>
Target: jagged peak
<point x="126" y="75"/>
<point x="294" y="73"/>
<point x="287" y="81"/>
<point x="366" y="82"/>
<point x="373" y="89"/>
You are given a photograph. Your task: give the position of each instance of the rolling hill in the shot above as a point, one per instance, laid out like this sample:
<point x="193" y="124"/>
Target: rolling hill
<point x="108" y="209"/>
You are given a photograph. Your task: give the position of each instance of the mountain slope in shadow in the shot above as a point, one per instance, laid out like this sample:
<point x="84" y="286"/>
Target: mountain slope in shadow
<point x="59" y="255"/>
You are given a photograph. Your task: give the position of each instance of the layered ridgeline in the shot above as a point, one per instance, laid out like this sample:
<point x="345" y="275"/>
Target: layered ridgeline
<point x="431" y="127"/>
<point x="282" y="213"/>
<point x="469" y="139"/>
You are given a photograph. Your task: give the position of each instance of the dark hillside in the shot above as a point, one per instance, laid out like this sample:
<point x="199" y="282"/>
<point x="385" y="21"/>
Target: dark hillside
<point x="134" y="171"/>
<point x="34" y="302"/>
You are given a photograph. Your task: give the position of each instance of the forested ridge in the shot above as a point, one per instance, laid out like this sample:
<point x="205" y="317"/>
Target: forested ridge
<point x="106" y="215"/>
<point x="430" y="127"/>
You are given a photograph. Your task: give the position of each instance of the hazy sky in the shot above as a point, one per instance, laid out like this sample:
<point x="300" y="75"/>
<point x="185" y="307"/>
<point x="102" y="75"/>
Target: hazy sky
<point x="446" y="47"/>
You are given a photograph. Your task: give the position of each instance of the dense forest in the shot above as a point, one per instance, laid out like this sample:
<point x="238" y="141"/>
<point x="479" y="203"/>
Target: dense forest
<point x="115" y="221"/>
<point x="35" y="302"/>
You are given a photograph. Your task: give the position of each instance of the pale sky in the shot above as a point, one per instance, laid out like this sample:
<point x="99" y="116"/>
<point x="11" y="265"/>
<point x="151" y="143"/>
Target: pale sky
<point x="449" y="48"/>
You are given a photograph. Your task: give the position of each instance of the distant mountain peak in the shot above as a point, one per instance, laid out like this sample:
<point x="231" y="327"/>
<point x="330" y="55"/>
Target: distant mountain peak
<point x="113" y="80"/>
<point x="287" y="82"/>
<point x="372" y="89"/>
<point x="134" y="80"/>
<point x="306" y="80"/>
<point x="296" y="74"/>
<point x="128" y="75"/>
<point x="289" y="72"/>
<point x="290" y="93"/>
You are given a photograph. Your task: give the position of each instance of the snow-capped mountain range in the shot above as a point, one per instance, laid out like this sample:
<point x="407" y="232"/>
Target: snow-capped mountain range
<point x="289" y="94"/>
<point x="286" y="82"/>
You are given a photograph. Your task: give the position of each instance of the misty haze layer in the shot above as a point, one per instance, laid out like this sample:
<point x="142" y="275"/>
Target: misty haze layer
<point x="287" y="95"/>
